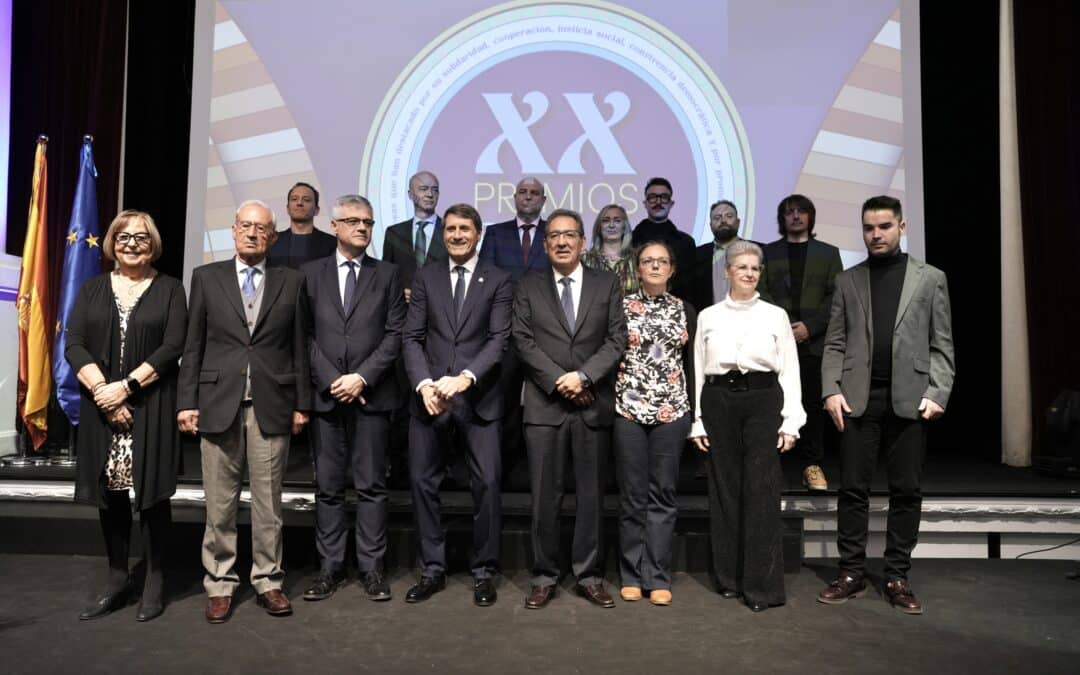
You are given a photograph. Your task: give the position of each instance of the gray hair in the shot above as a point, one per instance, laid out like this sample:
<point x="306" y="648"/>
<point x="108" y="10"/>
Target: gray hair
<point x="744" y="247"/>
<point x="261" y="204"/>
<point x="349" y="200"/>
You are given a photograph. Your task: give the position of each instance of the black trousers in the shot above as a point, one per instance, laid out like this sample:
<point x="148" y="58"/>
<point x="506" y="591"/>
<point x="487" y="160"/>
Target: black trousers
<point x="647" y="469"/>
<point x="548" y="449"/>
<point x="904" y="444"/>
<point x="810" y="447"/>
<point x="347" y="435"/>
<point x="154" y="523"/>
<point x="744" y="490"/>
<point x="429" y="440"/>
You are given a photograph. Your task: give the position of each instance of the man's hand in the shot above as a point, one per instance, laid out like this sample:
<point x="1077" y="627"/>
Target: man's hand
<point x="433" y="402"/>
<point x="584" y="399"/>
<point x="802" y="333"/>
<point x="450" y="386"/>
<point x="930" y="410"/>
<point x="408" y="295"/>
<point x="836" y="405"/>
<point x="347" y="388"/>
<point x="188" y="421"/>
<point x="569" y="385"/>
<point x="109" y="396"/>
<point x="785" y="442"/>
<point x="299" y="420"/>
<point x="120" y="418"/>
<point x="701" y="442"/>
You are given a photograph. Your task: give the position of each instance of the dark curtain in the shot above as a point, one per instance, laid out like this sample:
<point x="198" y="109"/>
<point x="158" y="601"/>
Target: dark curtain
<point x="1048" y="121"/>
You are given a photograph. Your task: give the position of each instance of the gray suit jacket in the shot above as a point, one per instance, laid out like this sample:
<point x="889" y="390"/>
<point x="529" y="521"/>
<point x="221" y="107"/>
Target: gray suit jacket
<point x="922" y="353"/>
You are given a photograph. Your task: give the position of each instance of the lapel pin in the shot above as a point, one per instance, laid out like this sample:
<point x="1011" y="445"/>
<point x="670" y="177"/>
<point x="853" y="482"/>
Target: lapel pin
<point x="479" y="280"/>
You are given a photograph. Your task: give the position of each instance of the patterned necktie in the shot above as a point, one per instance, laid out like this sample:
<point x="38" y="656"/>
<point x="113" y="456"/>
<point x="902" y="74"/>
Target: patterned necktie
<point x="249" y="283"/>
<point x="420" y="246"/>
<point x="350" y="285"/>
<point x="526" y="243"/>
<point x="459" y="290"/>
<point x="567" y="301"/>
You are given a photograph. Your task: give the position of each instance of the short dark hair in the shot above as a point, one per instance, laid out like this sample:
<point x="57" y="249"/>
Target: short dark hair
<point x="567" y="213"/>
<point x="658" y="180"/>
<point x="468" y="212"/>
<point x="656" y="242"/>
<point x="882" y="202"/>
<point x="800" y="201"/>
<point x="288" y="195"/>
<point x="725" y="201"/>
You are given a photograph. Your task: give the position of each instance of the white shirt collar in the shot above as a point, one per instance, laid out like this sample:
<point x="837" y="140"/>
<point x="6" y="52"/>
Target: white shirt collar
<point x="242" y="266"/>
<point x="576" y="275"/>
<point x="469" y="265"/>
<point x="430" y="220"/>
<point x="535" y="223"/>
<point x="741" y="304"/>
<point x="341" y="259"/>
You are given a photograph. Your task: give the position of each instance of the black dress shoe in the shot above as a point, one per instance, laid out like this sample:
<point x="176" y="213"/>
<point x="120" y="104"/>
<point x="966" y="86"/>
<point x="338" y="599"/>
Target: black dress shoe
<point x="376" y="586"/>
<point x="729" y="593"/>
<point x="427" y="587"/>
<point x="484" y="594"/>
<point x="324" y="585"/>
<point x="149" y="608"/>
<point x="106" y="604"/>
<point x="757" y="606"/>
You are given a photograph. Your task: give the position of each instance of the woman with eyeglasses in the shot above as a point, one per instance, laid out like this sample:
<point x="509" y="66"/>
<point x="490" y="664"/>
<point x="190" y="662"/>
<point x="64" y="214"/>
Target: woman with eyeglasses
<point x="748" y="410"/>
<point x="651" y="425"/>
<point x="124" y="337"/>
<point x="611" y="249"/>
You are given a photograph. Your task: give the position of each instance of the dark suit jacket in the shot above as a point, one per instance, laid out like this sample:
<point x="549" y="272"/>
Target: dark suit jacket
<point x="398" y="248"/>
<point x="818" y="283"/>
<point x="365" y="339"/>
<point x="923" y="365"/>
<point x="502" y="247"/>
<point x="320" y="245"/>
<point x="437" y="344"/>
<point x="547" y="348"/>
<point x="219" y="348"/>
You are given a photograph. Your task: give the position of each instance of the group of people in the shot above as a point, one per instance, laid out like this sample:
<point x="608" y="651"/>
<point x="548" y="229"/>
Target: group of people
<point x="523" y="334"/>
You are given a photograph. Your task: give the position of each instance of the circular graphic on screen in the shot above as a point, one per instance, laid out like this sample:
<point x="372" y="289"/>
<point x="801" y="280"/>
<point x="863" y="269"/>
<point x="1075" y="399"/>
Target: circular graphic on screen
<point x="589" y="98"/>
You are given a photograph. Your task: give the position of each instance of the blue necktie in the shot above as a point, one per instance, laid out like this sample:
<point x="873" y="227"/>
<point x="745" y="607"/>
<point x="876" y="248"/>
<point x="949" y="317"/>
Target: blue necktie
<point x="420" y="246"/>
<point x="567" y="301"/>
<point x="350" y="285"/>
<point x="459" y="291"/>
<point x="249" y="284"/>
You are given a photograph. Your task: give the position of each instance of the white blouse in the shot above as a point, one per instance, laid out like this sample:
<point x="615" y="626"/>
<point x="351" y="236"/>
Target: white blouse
<point x="748" y="336"/>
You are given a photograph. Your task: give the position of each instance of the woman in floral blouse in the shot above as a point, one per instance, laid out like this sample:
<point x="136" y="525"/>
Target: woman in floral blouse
<point x="652" y="423"/>
<point x="611" y="249"/>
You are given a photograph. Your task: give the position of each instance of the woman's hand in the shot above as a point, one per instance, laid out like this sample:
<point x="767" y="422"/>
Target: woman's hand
<point x="702" y="443"/>
<point x="109" y="396"/>
<point x="785" y="442"/>
<point x="120" y="419"/>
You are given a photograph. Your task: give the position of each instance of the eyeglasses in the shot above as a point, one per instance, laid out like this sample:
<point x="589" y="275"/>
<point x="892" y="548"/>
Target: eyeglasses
<point x="572" y="235"/>
<point x="661" y="262"/>
<point x="260" y="228"/>
<point x="141" y="239"/>
<point x="356" y="222"/>
<point x="661" y="197"/>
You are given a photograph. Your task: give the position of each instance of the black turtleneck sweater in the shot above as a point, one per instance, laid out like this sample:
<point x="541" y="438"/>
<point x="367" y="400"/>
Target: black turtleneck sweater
<point x="886" y="283"/>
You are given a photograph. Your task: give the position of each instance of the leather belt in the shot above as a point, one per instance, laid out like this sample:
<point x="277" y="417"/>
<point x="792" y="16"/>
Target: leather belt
<point x="736" y="381"/>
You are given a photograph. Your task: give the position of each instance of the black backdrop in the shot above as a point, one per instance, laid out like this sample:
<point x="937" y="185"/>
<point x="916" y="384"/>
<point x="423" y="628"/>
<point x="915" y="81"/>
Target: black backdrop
<point x="960" y="158"/>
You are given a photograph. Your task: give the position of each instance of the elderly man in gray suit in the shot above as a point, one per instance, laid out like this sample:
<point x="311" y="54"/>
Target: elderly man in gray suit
<point x="887" y="370"/>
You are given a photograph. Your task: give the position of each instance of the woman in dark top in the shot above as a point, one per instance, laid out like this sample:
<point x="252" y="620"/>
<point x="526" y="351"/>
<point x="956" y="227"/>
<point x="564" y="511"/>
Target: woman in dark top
<point x="124" y="337"/>
<point x="653" y="405"/>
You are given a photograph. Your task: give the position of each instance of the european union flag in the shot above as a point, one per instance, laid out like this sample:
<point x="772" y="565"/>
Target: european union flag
<point x="82" y="260"/>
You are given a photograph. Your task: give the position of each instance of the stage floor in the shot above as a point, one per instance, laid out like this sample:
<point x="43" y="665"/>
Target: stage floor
<point x="985" y="616"/>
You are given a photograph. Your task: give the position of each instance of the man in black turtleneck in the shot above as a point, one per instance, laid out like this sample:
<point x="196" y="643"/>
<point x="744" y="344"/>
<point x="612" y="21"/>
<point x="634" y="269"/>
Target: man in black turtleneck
<point x="657" y="227"/>
<point x="887" y="370"/>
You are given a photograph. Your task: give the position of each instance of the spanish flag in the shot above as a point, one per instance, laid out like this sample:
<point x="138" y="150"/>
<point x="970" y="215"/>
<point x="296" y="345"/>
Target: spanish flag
<point x="35" y="311"/>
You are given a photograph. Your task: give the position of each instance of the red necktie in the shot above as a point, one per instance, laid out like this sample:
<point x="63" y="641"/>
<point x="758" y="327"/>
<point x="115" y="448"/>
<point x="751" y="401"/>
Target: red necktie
<point x="526" y="243"/>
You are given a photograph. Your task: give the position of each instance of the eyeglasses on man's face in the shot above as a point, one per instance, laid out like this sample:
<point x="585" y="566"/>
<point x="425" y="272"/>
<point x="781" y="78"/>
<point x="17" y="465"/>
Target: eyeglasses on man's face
<point x="658" y="197"/>
<point x="259" y="228"/>
<point x="569" y="235"/>
<point x="353" y="223"/>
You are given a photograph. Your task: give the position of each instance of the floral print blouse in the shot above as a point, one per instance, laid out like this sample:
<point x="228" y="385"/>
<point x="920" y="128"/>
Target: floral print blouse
<point x="651" y="385"/>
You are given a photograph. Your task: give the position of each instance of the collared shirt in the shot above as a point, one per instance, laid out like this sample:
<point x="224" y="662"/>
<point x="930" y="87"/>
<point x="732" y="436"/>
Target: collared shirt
<point x="532" y="231"/>
<point x="428" y="230"/>
<point x="719" y="269"/>
<point x="343" y="271"/>
<point x="575" y="287"/>
<point x="748" y="336"/>
<point x="241" y="272"/>
<point x="470" y="267"/>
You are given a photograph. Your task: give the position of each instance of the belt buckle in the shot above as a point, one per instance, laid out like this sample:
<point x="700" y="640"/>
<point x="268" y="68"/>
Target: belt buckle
<point x="738" y="381"/>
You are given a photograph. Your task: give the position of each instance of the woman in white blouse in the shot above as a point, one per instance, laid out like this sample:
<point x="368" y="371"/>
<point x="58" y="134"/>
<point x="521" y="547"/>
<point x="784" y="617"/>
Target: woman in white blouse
<point x="747" y="408"/>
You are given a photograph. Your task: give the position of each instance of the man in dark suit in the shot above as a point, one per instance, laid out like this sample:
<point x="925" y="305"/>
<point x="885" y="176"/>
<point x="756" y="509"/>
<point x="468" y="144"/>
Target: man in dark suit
<point x="415" y="242"/>
<point x="710" y="260"/>
<point x="358" y="310"/>
<point x="887" y="370"/>
<point x="244" y="386"/>
<point x="570" y="332"/>
<point x="658" y="227"/>
<point x="302" y="241"/>
<point x="517" y="245"/>
<point x="456" y="334"/>
<point x="799" y="276"/>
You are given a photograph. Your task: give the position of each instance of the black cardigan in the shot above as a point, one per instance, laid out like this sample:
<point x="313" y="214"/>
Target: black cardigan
<point x="155" y="335"/>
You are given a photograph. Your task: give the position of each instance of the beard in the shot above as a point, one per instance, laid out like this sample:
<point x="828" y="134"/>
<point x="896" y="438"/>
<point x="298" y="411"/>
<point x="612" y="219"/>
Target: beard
<point x="725" y="233"/>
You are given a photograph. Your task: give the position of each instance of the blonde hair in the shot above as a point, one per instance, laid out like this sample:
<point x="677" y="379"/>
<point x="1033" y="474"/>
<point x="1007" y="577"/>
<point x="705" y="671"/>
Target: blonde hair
<point x="121" y="221"/>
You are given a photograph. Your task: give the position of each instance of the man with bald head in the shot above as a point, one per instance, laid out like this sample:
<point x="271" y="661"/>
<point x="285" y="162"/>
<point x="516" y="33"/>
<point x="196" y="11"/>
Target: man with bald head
<point x="517" y="245"/>
<point x="415" y="242"/>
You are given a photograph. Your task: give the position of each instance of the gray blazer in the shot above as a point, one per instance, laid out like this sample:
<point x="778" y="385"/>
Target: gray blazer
<point x="923" y="365"/>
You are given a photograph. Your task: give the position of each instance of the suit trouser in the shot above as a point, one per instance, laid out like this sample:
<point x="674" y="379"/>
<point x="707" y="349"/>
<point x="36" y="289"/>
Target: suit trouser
<point x="428" y="441"/>
<point x="348" y="436"/>
<point x="647" y="467"/>
<point x="223" y="458"/>
<point x="744" y="490"/>
<point x="904" y="443"/>
<point x="548" y="448"/>
<point x="811" y="443"/>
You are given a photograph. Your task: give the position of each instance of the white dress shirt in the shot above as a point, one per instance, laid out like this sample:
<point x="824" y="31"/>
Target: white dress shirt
<point x="429" y="231"/>
<point x="532" y="232"/>
<point x="748" y="336"/>
<point x="470" y="269"/>
<point x="575" y="288"/>
<point x="241" y="271"/>
<point x="343" y="272"/>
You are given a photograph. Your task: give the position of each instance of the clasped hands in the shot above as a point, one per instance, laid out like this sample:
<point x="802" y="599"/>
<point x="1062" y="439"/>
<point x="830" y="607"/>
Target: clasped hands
<point x="570" y="386"/>
<point x="109" y="397"/>
<point x="437" y="395"/>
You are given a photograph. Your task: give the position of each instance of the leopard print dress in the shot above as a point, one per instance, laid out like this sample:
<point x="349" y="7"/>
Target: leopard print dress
<point x="118" y="474"/>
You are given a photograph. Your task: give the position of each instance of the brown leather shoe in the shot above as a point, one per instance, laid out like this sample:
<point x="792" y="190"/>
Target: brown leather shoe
<point x="596" y="595"/>
<point x="539" y="596"/>
<point x="902" y="597"/>
<point x="218" y="608"/>
<point x="274" y="602"/>
<point x="843" y="589"/>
